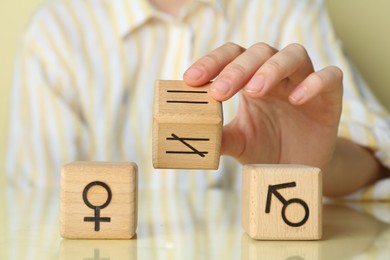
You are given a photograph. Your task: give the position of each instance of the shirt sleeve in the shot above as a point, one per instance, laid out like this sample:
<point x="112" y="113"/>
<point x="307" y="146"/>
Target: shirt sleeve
<point x="46" y="126"/>
<point x="364" y="120"/>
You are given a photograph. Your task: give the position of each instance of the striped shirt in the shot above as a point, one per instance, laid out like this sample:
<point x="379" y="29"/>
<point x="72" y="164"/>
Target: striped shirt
<point x="84" y="82"/>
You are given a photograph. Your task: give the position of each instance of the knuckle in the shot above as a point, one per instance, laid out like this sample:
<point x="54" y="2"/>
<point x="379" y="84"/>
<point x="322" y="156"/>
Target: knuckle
<point x="272" y="67"/>
<point x="296" y="47"/>
<point x="317" y="80"/>
<point x="211" y="59"/>
<point x="337" y="72"/>
<point x="234" y="47"/>
<point x="264" y="48"/>
<point x="235" y="70"/>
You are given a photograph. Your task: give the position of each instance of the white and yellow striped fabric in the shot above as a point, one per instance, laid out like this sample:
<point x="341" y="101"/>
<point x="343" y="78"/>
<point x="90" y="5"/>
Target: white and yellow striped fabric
<point x="85" y="75"/>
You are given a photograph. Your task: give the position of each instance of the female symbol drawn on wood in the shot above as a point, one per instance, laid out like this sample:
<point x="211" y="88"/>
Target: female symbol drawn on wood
<point x="97" y="219"/>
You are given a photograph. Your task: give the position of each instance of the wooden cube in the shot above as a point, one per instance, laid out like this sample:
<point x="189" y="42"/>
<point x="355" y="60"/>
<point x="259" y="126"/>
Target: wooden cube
<point x="98" y="200"/>
<point x="187" y="127"/>
<point x="282" y="202"/>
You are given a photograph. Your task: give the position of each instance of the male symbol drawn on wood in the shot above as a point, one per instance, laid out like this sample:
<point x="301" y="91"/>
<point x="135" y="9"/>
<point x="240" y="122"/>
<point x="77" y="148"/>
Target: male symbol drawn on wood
<point x="282" y="202"/>
<point x="272" y="190"/>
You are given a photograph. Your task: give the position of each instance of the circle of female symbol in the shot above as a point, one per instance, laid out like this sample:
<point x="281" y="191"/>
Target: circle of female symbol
<point x="272" y="189"/>
<point x="97" y="219"/>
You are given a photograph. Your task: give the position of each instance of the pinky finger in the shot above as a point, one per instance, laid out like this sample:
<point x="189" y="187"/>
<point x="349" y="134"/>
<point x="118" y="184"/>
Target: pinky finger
<point x="326" y="83"/>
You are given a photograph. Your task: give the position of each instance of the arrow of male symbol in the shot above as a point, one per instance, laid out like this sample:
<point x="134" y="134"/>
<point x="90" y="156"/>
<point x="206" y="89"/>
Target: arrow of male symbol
<point x="272" y="189"/>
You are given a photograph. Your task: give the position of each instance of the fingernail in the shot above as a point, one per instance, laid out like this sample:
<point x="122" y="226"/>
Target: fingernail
<point x="221" y="86"/>
<point x="298" y="94"/>
<point x="255" y="85"/>
<point x="194" y="73"/>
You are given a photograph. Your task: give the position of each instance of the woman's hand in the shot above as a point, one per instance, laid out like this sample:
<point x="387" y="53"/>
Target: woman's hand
<point x="288" y="113"/>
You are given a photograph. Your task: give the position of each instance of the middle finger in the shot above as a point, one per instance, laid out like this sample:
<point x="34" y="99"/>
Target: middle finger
<point x="237" y="73"/>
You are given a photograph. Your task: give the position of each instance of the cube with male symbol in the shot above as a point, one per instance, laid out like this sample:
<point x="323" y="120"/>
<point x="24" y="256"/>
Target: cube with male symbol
<point x="282" y="202"/>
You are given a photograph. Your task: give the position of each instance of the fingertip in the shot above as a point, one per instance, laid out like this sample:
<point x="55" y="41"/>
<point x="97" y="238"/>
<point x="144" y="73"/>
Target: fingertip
<point x="256" y="85"/>
<point x="194" y="76"/>
<point x="216" y="95"/>
<point x="294" y="101"/>
<point x="298" y="96"/>
<point x="232" y="143"/>
<point x="223" y="146"/>
<point x="221" y="89"/>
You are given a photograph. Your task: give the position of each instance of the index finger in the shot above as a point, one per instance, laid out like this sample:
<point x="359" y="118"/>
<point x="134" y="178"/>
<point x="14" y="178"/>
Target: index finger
<point x="210" y="65"/>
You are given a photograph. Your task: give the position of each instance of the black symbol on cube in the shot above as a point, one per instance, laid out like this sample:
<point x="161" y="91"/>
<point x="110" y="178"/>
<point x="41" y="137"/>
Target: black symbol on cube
<point x="97" y="219"/>
<point x="272" y="189"/>
<point x="185" y="141"/>
<point x="197" y="102"/>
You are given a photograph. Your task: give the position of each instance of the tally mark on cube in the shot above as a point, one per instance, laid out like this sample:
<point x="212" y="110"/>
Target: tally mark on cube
<point x="188" y="101"/>
<point x="184" y="140"/>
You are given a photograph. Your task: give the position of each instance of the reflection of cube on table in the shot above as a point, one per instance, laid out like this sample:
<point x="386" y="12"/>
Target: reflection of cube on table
<point x="282" y="202"/>
<point x="89" y="249"/>
<point x="292" y="250"/>
<point x="187" y="127"/>
<point x="99" y="200"/>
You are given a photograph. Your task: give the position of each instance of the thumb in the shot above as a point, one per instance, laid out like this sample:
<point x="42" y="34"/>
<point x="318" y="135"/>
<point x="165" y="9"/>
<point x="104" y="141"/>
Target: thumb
<point x="232" y="141"/>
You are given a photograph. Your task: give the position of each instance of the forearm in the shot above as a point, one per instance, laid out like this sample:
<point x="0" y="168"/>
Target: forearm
<point x="352" y="167"/>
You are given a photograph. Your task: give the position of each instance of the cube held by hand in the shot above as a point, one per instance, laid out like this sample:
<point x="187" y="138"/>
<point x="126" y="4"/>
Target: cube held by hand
<point x="187" y="127"/>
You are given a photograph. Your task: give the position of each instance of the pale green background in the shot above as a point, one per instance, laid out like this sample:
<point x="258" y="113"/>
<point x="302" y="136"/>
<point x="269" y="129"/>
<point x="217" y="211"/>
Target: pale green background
<point x="363" y="26"/>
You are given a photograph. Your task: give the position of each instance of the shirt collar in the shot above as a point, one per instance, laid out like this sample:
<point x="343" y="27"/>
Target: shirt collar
<point x="131" y="14"/>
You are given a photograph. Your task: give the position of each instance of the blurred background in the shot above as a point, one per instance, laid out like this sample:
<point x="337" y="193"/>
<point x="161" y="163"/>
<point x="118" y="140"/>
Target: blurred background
<point x="362" y="25"/>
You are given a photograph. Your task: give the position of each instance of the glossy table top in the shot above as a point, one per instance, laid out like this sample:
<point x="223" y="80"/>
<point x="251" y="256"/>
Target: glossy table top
<point x="183" y="224"/>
